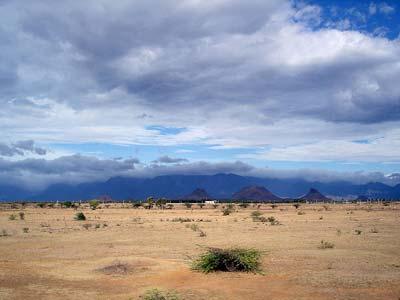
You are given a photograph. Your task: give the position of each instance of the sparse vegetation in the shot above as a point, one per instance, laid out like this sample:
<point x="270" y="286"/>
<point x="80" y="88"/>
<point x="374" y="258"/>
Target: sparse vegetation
<point x="21" y="215"/>
<point x="68" y="204"/>
<point x="12" y="217"/>
<point x="25" y="229"/>
<point x="201" y="205"/>
<point x="326" y="245"/>
<point x="226" y="211"/>
<point x="41" y="205"/>
<point x="80" y="216"/>
<point x="243" y="205"/>
<point x="4" y="233"/>
<point x="188" y="205"/>
<point x="194" y="227"/>
<point x="296" y="205"/>
<point x="228" y="260"/>
<point x="374" y="230"/>
<point x="300" y="213"/>
<point x="155" y="294"/>
<point x="182" y="220"/>
<point x="255" y="215"/>
<point x="358" y="231"/>
<point x="273" y="206"/>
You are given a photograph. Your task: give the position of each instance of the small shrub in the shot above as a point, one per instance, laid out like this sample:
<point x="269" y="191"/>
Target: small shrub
<point x="273" y="206"/>
<point x="87" y="226"/>
<point x="326" y="245"/>
<point x="12" y="217"/>
<point x="188" y="205"/>
<point x="300" y="213"/>
<point x="41" y="205"/>
<point x="256" y="215"/>
<point x="228" y="260"/>
<point x="215" y="206"/>
<point x="358" y="231"/>
<point x="321" y="217"/>
<point x="155" y="294"/>
<point x="194" y="227"/>
<point x="4" y="233"/>
<point x="182" y="220"/>
<point x="68" y="204"/>
<point x="243" y="205"/>
<point x="226" y="211"/>
<point x="97" y="226"/>
<point x="80" y="216"/>
<point x="136" y="204"/>
<point x="170" y="206"/>
<point x="296" y="205"/>
<point x="202" y="233"/>
<point x="201" y="205"/>
<point x="338" y="232"/>
<point x="25" y="229"/>
<point x="94" y="204"/>
<point x="374" y="230"/>
<point x="21" y="215"/>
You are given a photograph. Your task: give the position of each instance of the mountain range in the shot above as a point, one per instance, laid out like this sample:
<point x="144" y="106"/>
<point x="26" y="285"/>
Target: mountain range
<point x="219" y="186"/>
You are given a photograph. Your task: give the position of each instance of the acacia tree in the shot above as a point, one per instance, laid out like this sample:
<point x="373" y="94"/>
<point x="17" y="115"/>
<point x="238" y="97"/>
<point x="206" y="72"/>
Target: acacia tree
<point x="149" y="202"/>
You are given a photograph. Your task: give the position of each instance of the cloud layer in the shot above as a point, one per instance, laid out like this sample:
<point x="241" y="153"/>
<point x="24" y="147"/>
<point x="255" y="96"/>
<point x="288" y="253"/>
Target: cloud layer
<point x="260" y="75"/>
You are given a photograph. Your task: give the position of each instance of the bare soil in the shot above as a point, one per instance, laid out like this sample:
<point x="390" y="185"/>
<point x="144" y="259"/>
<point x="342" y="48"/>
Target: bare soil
<point x="122" y="252"/>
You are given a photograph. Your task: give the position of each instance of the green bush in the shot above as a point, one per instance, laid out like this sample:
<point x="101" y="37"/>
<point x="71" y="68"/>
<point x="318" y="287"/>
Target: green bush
<point x="80" y="216"/>
<point x="228" y="260"/>
<point x="155" y="294"/>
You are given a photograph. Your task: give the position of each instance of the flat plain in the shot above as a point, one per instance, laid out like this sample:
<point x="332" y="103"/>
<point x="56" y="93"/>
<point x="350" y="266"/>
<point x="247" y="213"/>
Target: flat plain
<point x="119" y="252"/>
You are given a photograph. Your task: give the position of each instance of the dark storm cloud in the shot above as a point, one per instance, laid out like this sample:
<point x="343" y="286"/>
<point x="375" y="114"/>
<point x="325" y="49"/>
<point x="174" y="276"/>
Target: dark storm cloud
<point x="39" y="173"/>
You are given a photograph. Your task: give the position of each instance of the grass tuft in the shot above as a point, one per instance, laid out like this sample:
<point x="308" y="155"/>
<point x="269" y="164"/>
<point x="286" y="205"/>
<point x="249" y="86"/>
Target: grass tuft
<point x="155" y="294"/>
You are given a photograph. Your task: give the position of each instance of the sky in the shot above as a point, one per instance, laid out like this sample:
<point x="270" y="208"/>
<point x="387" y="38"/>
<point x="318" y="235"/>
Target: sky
<point x="98" y="88"/>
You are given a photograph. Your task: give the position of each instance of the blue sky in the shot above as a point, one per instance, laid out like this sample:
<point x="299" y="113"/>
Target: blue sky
<point x="251" y="87"/>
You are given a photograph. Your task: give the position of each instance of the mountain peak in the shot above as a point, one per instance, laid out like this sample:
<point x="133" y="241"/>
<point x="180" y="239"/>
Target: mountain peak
<point x="256" y="193"/>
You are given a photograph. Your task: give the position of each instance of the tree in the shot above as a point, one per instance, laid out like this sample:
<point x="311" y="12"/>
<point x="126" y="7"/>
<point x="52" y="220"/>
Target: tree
<point x="160" y="203"/>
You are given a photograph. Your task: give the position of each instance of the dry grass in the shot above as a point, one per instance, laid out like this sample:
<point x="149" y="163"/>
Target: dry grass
<point x="138" y="249"/>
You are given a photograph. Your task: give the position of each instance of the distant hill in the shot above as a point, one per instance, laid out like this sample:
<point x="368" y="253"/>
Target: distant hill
<point x="197" y="194"/>
<point x="218" y="186"/>
<point x="314" y="195"/>
<point x="255" y="193"/>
